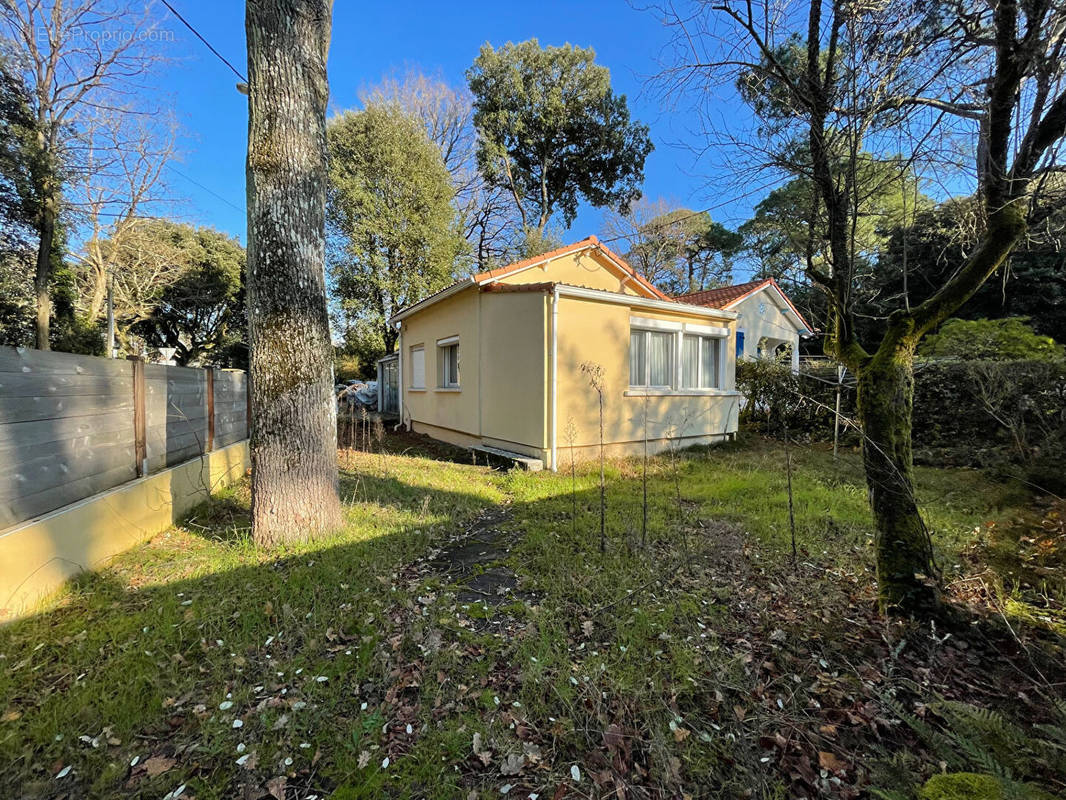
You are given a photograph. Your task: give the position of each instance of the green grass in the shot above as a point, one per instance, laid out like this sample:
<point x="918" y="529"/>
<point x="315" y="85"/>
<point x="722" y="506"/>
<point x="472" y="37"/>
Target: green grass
<point x="631" y="663"/>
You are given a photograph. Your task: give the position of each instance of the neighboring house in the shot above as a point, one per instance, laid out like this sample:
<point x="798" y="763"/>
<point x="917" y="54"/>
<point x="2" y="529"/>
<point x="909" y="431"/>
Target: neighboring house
<point x="495" y="360"/>
<point x="767" y="321"/>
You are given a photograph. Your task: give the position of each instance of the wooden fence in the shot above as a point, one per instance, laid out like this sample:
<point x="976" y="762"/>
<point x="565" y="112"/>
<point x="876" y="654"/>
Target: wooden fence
<point x="72" y="426"/>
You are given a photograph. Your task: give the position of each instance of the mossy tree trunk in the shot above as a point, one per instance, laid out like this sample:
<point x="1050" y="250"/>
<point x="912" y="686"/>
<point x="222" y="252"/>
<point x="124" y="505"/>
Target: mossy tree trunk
<point x="294" y="426"/>
<point x="904" y="558"/>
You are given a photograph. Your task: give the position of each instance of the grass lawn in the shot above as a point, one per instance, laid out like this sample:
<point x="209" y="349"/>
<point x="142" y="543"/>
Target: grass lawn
<point x="692" y="659"/>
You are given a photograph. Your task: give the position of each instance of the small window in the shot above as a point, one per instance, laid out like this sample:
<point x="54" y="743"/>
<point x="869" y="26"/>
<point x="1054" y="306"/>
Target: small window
<point x="700" y="359"/>
<point x="418" y="367"/>
<point x="740" y="344"/>
<point x="448" y="364"/>
<point x="651" y="358"/>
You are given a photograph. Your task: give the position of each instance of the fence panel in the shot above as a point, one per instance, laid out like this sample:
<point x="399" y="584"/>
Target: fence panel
<point x="66" y="430"/>
<point x="67" y="427"/>
<point x="231" y="407"/>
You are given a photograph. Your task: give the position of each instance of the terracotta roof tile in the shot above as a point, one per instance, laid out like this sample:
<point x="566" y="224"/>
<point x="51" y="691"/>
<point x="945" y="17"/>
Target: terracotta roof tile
<point x="728" y="295"/>
<point x="720" y="298"/>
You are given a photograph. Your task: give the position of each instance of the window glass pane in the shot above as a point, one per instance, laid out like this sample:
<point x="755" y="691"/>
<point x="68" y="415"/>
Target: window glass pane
<point x="453" y="365"/>
<point x="711" y="355"/>
<point x="636" y="358"/>
<point x="660" y="358"/>
<point x="690" y="354"/>
<point x="418" y="368"/>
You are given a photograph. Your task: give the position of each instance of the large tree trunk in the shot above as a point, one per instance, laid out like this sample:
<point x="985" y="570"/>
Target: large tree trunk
<point x="294" y="429"/>
<point x="905" y="578"/>
<point x="46" y="231"/>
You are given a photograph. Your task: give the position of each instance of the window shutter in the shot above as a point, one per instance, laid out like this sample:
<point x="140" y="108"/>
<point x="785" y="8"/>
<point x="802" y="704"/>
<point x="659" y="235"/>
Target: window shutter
<point x="418" y="368"/>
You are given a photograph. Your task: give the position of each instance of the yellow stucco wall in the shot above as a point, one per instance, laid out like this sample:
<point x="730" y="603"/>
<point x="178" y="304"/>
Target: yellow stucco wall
<point x="36" y="557"/>
<point x="515" y="370"/>
<point x="454" y="410"/>
<point x="588" y="268"/>
<point x="762" y="316"/>
<point x="599" y="332"/>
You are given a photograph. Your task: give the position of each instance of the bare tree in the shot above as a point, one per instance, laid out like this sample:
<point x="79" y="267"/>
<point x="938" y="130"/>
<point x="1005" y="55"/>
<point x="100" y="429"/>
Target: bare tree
<point x="485" y="213"/>
<point x="75" y="57"/>
<point x="121" y="181"/>
<point x="832" y="81"/>
<point x="655" y="258"/>
<point x="294" y="416"/>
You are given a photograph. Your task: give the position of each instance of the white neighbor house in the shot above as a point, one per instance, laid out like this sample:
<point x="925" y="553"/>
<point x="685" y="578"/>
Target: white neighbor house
<point x="766" y="319"/>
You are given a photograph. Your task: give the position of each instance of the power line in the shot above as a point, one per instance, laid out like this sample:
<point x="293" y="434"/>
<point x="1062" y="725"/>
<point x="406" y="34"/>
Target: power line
<point x="211" y="192"/>
<point x="197" y="34"/>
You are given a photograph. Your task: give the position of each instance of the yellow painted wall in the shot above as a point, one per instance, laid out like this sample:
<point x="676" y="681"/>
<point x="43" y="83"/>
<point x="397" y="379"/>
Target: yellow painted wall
<point x="515" y="369"/>
<point x="589" y="268"/>
<point x="455" y="410"/>
<point x="36" y="557"/>
<point x="592" y="331"/>
<point x="762" y="315"/>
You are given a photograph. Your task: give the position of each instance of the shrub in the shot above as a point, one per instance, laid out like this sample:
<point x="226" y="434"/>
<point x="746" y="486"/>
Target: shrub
<point x="976" y="413"/>
<point x="1008" y="339"/>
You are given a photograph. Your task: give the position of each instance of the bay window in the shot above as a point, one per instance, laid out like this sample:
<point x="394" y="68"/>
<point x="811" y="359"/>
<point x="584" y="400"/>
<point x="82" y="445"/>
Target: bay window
<point x="676" y="357"/>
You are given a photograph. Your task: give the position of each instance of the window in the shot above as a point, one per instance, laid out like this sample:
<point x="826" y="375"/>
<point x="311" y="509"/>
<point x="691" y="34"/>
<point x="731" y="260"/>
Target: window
<point x="651" y="358"/>
<point x="740" y="344"/>
<point x="418" y="367"/>
<point x="700" y="359"/>
<point x="448" y="363"/>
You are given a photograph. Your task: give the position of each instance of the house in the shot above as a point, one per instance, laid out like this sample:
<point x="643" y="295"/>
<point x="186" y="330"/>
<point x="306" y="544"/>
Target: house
<point x="767" y="321"/>
<point x="494" y="361"/>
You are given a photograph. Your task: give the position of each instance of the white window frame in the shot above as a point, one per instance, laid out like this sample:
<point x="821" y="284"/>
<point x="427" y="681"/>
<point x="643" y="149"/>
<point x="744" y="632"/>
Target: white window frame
<point x="646" y="331"/>
<point x="444" y="380"/>
<point x="704" y="340"/>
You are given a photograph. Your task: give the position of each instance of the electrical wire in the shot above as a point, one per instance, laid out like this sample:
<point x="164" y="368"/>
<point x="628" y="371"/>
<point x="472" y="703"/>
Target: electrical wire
<point x="199" y="36"/>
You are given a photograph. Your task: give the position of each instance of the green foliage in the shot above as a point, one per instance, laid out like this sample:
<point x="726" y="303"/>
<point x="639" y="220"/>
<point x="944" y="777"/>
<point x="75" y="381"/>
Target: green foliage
<point x="782" y="230"/>
<point x="552" y="132"/>
<point x="685" y="251"/>
<point x="1001" y="414"/>
<point x="778" y="400"/>
<point x="201" y="312"/>
<point x="1031" y="284"/>
<point x="962" y="786"/>
<point x="179" y="286"/>
<point x="1007" y="339"/>
<point x="394" y="235"/>
<point x="992" y="757"/>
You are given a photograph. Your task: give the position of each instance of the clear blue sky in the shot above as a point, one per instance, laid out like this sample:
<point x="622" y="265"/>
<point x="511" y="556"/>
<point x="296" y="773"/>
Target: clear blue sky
<point x="372" y="39"/>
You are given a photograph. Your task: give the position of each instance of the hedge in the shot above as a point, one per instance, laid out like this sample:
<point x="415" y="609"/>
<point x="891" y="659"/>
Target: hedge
<point x="975" y="413"/>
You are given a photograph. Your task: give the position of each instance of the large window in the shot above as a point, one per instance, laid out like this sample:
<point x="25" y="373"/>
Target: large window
<point x="448" y="363"/>
<point x="700" y="361"/>
<point x="418" y="367"/>
<point x="651" y="359"/>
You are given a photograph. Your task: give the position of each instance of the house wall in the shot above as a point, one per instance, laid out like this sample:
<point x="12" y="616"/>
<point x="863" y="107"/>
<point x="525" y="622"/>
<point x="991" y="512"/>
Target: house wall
<point x="454" y="410"/>
<point x="515" y="371"/>
<point x="599" y="332"/>
<point x="762" y="315"/>
<point x="589" y="268"/>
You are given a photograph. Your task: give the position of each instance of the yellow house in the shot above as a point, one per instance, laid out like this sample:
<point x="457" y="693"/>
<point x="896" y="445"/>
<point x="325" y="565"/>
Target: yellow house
<point x="495" y="361"/>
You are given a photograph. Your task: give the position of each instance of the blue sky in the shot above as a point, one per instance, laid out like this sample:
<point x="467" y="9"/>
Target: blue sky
<point x="371" y="40"/>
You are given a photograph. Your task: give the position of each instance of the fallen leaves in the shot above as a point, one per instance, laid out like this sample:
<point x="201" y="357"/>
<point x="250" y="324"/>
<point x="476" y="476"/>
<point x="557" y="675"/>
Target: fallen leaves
<point x="829" y="762"/>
